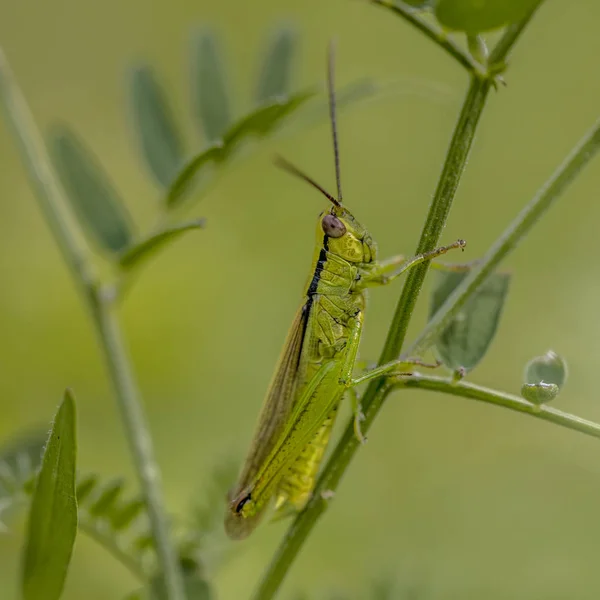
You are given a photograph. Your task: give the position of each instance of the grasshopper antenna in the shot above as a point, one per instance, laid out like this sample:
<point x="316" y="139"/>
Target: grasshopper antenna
<point x="333" y="117"/>
<point x="290" y="168"/>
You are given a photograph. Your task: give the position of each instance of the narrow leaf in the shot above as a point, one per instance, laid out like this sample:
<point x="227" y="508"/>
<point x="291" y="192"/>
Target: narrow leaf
<point x="264" y="120"/>
<point x="154" y="126"/>
<point x="107" y="498"/>
<point x="93" y="197"/>
<point x="143" y="250"/>
<point x="85" y="487"/>
<point x="126" y="514"/>
<point x="475" y="16"/>
<point x="277" y="65"/>
<point x="261" y="122"/>
<point x="466" y="340"/>
<point x="19" y="460"/>
<point x="209" y="90"/>
<point x="52" y="522"/>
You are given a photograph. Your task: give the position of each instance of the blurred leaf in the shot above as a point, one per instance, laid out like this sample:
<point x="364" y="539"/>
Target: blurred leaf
<point x="475" y="16"/>
<point x="539" y="393"/>
<point x="196" y="588"/>
<point x="209" y="90"/>
<point x="549" y="368"/>
<point x="52" y="525"/>
<point x="143" y="250"/>
<point x="155" y="127"/>
<point x="277" y="66"/>
<point x="420" y="3"/>
<point x="104" y="502"/>
<point x="262" y="122"/>
<point x="93" y="197"/>
<point x="19" y="460"/>
<point x="85" y="487"/>
<point x="467" y="338"/>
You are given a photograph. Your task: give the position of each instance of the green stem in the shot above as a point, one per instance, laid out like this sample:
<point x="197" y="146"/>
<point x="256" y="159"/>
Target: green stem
<point x="51" y="200"/>
<point x="578" y="158"/>
<point x="490" y="396"/>
<point x="434" y="33"/>
<point x="378" y="390"/>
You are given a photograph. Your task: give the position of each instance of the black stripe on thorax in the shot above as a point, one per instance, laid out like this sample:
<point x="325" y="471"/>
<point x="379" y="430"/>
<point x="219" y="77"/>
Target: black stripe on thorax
<point x="312" y="288"/>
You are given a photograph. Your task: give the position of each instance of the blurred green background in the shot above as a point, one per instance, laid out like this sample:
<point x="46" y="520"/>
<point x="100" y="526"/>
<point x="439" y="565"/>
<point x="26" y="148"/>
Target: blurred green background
<point x="454" y="499"/>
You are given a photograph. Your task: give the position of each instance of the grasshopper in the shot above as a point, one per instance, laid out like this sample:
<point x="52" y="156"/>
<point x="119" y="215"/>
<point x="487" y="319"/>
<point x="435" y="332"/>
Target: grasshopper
<point x="316" y="365"/>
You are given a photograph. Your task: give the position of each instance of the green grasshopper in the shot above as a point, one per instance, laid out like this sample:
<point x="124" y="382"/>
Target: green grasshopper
<point x="317" y="362"/>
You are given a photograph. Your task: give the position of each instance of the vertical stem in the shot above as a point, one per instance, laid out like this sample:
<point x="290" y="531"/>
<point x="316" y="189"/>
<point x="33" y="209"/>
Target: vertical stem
<point x="50" y="198"/>
<point x="378" y="390"/>
<point x="138" y="437"/>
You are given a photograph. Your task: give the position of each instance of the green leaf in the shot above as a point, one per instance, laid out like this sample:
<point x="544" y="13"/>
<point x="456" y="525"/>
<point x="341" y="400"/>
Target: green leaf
<point x="107" y="498"/>
<point x="52" y="522"/>
<point x="277" y="66"/>
<point x="549" y="368"/>
<point x="261" y="122"/>
<point x="475" y="16"/>
<point x="196" y="588"/>
<point x="209" y="90"/>
<point x="154" y="125"/>
<point x="92" y="195"/>
<point x="539" y="393"/>
<point x="19" y="460"/>
<point x="143" y="250"/>
<point x="466" y="340"/>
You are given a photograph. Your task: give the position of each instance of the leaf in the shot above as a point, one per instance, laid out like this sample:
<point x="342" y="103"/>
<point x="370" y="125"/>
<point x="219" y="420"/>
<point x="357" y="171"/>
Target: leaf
<point x="155" y="127"/>
<point x="143" y="250"/>
<point x="19" y="460"/>
<point x="476" y="16"/>
<point x="549" y="368"/>
<point x="261" y="122"/>
<point x="466" y="340"/>
<point x="105" y="501"/>
<point x="209" y="90"/>
<point x="52" y="525"/>
<point x="196" y="588"/>
<point x="93" y="197"/>
<point x="277" y="65"/>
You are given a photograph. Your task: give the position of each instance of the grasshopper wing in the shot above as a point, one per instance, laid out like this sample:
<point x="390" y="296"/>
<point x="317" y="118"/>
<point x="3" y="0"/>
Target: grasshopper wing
<point x="272" y="420"/>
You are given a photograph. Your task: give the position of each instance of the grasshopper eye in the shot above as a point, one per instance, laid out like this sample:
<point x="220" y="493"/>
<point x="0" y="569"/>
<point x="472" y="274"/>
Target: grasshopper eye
<point x="332" y="226"/>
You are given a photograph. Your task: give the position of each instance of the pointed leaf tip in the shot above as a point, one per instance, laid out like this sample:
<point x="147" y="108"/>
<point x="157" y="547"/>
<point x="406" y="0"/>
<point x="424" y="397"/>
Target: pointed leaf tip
<point x="52" y="524"/>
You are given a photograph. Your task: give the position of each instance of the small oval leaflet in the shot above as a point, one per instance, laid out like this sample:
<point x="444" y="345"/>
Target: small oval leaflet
<point x="475" y="16"/>
<point x="277" y="66"/>
<point x="210" y="97"/>
<point x="92" y="195"/>
<point x="465" y="341"/>
<point x="154" y="126"/>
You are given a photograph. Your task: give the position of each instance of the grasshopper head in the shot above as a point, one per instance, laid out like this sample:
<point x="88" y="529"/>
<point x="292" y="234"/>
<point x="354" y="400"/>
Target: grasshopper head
<point x="345" y="236"/>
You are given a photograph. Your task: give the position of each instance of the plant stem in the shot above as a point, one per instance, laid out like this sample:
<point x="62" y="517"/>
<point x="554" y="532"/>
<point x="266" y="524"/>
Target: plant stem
<point x="577" y="159"/>
<point x="510" y="401"/>
<point x="378" y="390"/>
<point x="52" y="203"/>
<point x="434" y="33"/>
<point x="139" y="439"/>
